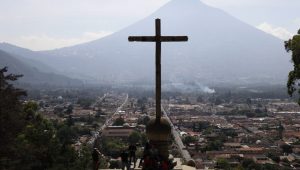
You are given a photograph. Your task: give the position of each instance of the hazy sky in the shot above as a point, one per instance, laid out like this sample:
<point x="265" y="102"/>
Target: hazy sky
<point x="48" y="24"/>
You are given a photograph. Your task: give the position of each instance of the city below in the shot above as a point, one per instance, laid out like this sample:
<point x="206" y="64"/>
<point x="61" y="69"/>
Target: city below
<point x="215" y="131"/>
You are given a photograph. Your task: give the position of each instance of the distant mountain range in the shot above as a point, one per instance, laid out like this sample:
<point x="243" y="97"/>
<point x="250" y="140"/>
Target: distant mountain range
<point x="32" y="74"/>
<point x="221" y="50"/>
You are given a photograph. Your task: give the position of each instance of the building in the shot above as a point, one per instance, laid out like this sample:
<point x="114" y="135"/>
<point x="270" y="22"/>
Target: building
<point x="118" y="131"/>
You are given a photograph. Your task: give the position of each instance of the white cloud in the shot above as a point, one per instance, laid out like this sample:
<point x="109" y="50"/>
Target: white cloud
<point x="278" y="32"/>
<point x="45" y="42"/>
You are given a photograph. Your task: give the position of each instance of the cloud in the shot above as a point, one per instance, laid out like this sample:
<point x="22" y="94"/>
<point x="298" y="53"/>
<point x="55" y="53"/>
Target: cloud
<point x="278" y="32"/>
<point x="45" y="42"/>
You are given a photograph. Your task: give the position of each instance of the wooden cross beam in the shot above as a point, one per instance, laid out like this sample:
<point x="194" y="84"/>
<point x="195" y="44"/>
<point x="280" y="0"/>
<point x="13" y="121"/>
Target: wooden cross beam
<point x="158" y="39"/>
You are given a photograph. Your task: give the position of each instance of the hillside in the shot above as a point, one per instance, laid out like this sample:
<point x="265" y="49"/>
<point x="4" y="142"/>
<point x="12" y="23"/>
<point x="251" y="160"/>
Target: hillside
<point x="32" y="75"/>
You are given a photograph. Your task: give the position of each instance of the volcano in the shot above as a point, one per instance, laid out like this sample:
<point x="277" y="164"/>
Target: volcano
<point x="221" y="49"/>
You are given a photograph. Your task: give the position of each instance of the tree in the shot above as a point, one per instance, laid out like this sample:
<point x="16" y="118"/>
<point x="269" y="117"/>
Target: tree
<point x="44" y="144"/>
<point x="69" y="109"/>
<point x="189" y="139"/>
<point x="280" y="130"/>
<point x="142" y="104"/>
<point x="66" y="134"/>
<point x="214" y="145"/>
<point x="286" y="148"/>
<point x="249" y="102"/>
<point x="134" y="137"/>
<point x="143" y="120"/>
<point x="30" y="109"/>
<point x="200" y="99"/>
<point x="119" y="122"/>
<point x="250" y="164"/>
<point x="112" y="146"/>
<point x="203" y="125"/>
<point x="218" y="101"/>
<point x="271" y="167"/>
<point x="11" y="116"/>
<point x="36" y="146"/>
<point x="114" y="164"/>
<point x="223" y="164"/>
<point x="144" y="139"/>
<point x="85" y="102"/>
<point x="293" y="45"/>
<point x="85" y="158"/>
<point x="70" y="120"/>
<point x="28" y="141"/>
<point x="275" y="157"/>
<point x="143" y="108"/>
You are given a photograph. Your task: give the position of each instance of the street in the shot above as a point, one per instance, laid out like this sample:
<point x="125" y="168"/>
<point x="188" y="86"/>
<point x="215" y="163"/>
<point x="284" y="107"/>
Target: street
<point x="185" y="154"/>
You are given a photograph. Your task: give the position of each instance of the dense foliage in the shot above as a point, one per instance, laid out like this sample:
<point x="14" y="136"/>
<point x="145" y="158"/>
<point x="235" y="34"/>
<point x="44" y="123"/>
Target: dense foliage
<point x="85" y="102"/>
<point x="112" y="146"/>
<point x="293" y="45"/>
<point x="119" y="122"/>
<point x="11" y="116"/>
<point x="28" y="141"/>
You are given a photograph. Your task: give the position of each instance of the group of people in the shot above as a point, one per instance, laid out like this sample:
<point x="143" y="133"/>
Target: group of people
<point x="128" y="156"/>
<point x="151" y="159"/>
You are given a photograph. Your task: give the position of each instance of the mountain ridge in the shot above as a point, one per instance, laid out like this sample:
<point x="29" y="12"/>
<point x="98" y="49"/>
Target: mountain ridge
<point x="221" y="49"/>
<point x="32" y="75"/>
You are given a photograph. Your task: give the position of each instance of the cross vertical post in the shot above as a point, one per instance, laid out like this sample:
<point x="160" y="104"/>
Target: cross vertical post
<point x="158" y="69"/>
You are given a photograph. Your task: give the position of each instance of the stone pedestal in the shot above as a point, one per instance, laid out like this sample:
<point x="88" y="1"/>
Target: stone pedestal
<point x="159" y="134"/>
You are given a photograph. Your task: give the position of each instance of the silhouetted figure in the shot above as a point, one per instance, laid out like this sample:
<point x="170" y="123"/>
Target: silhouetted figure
<point x="149" y="163"/>
<point x="124" y="158"/>
<point x="145" y="153"/>
<point x="132" y="150"/>
<point x="96" y="158"/>
<point x="151" y="158"/>
<point x="164" y="165"/>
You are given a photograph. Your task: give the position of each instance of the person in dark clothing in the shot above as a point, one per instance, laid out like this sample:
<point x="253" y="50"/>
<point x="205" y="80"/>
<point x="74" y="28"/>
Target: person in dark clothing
<point x="148" y="163"/>
<point x="132" y="150"/>
<point x="96" y="158"/>
<point x="124" y="158"/>
<point x="164" y="165"/>
<point x="146" y="153"/>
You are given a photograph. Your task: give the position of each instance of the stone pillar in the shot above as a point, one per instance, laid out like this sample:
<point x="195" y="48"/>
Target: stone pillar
<point x="159" y="134"/>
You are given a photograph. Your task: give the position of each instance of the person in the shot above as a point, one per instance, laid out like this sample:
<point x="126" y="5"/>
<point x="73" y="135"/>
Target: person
<point x="147" y="163"/>
<point x="132" y="150"/>
<point x="146" y="153"/>
<point x="164" y="165"/>
<point x="124" y="158"/>
<point x="151" y="158"/>
<point x="96" y="158"/>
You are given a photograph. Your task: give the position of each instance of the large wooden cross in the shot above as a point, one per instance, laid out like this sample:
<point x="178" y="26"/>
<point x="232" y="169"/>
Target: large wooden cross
<point x="158" y="39"/>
